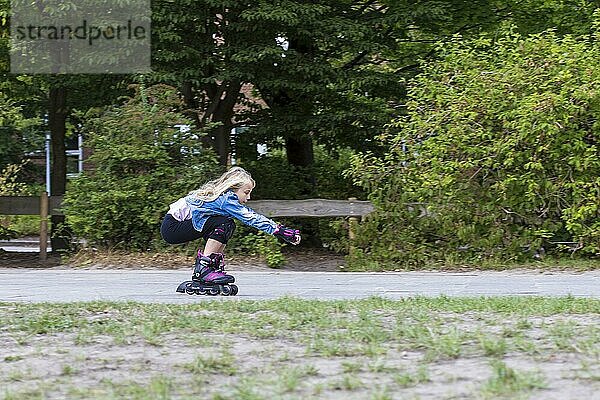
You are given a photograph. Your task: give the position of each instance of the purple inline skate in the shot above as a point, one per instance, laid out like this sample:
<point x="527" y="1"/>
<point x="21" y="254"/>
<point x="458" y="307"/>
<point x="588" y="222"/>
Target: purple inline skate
<point x="209" y="277"/>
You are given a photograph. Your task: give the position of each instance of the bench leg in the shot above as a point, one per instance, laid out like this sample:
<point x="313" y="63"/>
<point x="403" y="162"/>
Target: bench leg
<point x="43" y="226"/>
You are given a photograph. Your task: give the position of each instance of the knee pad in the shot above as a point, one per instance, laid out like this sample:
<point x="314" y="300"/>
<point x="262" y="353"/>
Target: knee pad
<point x="222" y="233"/>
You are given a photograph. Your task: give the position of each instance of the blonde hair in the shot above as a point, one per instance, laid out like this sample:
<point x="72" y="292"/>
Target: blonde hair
<point x="233" y="179"/>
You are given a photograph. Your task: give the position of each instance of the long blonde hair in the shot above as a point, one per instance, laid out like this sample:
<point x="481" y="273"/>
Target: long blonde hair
<point x="233" y="179"/>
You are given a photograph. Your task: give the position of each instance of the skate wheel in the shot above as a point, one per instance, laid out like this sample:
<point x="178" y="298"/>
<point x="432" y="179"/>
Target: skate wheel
<point x="189" y="288"/>
<point x="214" y="291"/>
<point x="234" y="289"/>
<point x="226" y="290"/>
<point x="201" y="291"/>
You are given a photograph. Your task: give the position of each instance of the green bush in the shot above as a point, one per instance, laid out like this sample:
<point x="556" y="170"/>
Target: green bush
<point x="11" y="226"/>
<point x="142" y="162"/>
<point x="18" y="134"/>
<point x="10" y="185"/>
<point x="248" y="241"/>
<point x="276" y="179"/>
<point x="497" y="156"/>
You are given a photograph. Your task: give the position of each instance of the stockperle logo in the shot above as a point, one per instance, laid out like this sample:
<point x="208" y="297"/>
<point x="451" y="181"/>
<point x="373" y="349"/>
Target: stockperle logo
<point x="80" y="36"/>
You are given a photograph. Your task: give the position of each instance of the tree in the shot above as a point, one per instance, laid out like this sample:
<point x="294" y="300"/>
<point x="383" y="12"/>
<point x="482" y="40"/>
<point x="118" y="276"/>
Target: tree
<point x="16" y="132"/>
<point x="192" y="39"/>
<point x="53" y="99"/>
<point x="328" y="70"/>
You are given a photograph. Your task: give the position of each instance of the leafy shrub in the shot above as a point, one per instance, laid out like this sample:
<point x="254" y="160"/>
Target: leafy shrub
<point x="18" y="134"/>
<point x="247" y="241"/>
<point x="498" y="154"/>
<point x="276" y="179"/>
<point x="10" y="185"/>
<point x="142" y="162"/>
<point x="11" y="226"/>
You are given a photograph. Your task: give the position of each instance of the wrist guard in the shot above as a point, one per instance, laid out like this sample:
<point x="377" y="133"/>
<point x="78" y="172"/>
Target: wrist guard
<point x="288" y="235"/>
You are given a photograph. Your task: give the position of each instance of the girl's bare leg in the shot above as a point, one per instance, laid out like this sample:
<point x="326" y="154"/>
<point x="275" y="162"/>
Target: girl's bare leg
<point x="213" y="246"/>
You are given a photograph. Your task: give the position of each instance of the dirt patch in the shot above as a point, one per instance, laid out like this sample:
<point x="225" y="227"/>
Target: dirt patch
<point x="296" y="260"/>
<point x="187" y="364"/>
<point x="11" y="259"/>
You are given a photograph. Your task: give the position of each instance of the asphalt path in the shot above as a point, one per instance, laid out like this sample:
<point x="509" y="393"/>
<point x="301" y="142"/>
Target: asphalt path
<point x="158" y="286"/>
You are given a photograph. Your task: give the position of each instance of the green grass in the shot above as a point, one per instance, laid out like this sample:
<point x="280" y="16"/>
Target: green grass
<point x="412" y="378"/>
<point x="508" y="381"/>
<point x="493" y="346"/>
<point x="222" y="363"/>
<point x="24" y="225"/>
<point x="291" y="348"/>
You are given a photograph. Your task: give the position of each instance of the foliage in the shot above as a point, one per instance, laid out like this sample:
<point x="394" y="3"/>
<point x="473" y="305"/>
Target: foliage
<point x="277" y="180"/>
<point x="574" y="17"/>
<point x="16" y="132"/>
<point x="9" y="181"/>
<point x="247" y="241"/>
<point x="214" y="46"/>
<point x="342" y="72"/>
<point x="10" y="186"/>
<point x="325" y="69"/>
<point x="498" y="154"/>
<point x="142" y="162"/>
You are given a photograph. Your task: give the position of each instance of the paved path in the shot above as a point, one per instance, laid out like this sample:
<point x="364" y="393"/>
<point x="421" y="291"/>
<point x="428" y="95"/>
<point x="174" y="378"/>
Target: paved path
<point x="158" y="286"/>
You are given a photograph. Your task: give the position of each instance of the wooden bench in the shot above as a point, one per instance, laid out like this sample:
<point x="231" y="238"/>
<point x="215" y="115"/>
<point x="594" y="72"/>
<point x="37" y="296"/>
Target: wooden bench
<point x="352" y="208"/>
<point x="42" y="205"/>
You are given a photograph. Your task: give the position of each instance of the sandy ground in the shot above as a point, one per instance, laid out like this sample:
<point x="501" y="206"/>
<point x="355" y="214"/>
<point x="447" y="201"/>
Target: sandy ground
<point x="308" y="260"/>
<point x="57" y="366"/>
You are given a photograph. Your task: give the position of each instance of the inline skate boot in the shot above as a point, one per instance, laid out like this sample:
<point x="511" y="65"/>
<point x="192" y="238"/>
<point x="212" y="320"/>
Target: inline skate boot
<point x="209" y="277"/>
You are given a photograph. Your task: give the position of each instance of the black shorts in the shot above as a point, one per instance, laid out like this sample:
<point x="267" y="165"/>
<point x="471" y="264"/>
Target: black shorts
<point x="216" y="227"/>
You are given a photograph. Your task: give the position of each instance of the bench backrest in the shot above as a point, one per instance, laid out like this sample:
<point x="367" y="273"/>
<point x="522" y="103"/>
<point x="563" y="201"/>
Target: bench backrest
<point x="30" y="205"/>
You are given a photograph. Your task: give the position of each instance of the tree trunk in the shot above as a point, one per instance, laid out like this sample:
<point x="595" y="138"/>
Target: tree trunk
<point x="223" y="112"/>
<point x="300" y="154"/>
<point x="191" y="105"/>
<point x="222" y="138"/>
<point x="299" y="151"/>
<point x="57" y="117"/>
<point x="192" y="110"/>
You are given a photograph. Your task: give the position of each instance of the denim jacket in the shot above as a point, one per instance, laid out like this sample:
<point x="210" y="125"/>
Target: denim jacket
<point x="229" y="205"/>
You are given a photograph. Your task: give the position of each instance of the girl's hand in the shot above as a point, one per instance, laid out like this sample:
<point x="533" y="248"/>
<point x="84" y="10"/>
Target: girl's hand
<point x="288" y="235"/>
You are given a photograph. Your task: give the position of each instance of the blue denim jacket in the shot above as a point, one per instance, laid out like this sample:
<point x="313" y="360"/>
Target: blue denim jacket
<point x="228" y="204"/>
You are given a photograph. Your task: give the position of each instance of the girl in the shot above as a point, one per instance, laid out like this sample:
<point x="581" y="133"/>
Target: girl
<point x="208" y="213"/>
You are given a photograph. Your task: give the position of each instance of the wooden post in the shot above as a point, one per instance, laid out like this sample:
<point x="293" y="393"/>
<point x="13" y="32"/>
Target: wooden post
<point x="43" y="226"/>
<point x="352" y="223"/>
